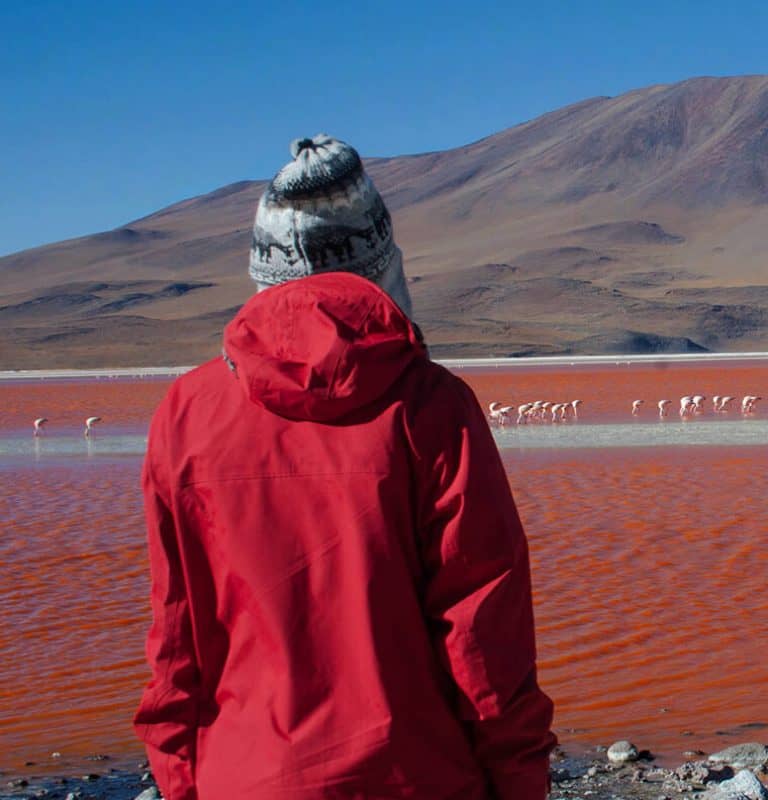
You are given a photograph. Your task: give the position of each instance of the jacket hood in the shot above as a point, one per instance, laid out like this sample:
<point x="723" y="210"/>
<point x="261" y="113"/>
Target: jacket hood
<point x="321" y="346"/>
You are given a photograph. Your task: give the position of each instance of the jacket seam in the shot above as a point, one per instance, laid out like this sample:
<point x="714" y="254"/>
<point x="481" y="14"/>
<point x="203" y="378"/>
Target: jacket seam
<point x="272" y="475"/>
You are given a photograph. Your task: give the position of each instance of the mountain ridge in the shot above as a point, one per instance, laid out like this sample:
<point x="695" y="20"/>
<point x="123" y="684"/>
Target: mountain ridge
<point x="608" y="203"/>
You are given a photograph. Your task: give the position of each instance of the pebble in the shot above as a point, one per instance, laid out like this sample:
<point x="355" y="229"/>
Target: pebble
<point x="622" y="751"/>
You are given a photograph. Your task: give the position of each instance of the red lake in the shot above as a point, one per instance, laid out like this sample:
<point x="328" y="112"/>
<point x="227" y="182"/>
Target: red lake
<point x="646" y="538"/>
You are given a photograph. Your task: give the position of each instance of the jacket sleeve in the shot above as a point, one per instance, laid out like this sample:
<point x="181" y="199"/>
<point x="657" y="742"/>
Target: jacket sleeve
<point x="168" y="712"/>
<point x="478" y="594"/>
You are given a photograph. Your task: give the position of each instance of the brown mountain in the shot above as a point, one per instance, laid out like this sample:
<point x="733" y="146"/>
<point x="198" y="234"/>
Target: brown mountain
<point x="628" y="224"/>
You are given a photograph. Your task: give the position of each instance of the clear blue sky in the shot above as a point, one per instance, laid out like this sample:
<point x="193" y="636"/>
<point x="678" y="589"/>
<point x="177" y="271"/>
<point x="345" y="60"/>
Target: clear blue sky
<point x="109" y="111"/>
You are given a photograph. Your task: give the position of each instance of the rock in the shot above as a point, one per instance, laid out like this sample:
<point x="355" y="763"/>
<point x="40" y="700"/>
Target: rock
<point x="702" y="772"/>
<point x="55" y="754"/>
<point x="146" y="777"/>
<point x="18" y="783"/>
<point x="744" y="785"/>
<point x="742" y="756"/>
<point x="557" y="774"/>
<point x="621" y="752"/>
<point x="148" y="794"/>
<point x="91" y="776"/>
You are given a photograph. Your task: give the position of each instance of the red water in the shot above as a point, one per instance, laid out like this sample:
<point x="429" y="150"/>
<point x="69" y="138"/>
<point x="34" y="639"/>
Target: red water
<point x="648" y="566"/>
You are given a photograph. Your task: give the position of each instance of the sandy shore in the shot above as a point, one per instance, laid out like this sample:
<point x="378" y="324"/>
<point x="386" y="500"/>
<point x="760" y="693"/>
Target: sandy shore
<point x="450" y="363"/>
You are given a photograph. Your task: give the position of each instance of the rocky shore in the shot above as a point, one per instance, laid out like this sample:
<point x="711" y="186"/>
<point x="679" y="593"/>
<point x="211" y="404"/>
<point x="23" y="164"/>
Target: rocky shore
<point x="619" y="772"/>
<point x="622" y="772"/>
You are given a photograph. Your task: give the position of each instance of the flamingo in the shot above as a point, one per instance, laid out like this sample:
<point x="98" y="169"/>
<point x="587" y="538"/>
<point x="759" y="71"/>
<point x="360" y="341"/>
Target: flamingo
<point x="89" y="423"/>
<point x="716" y="402"/>
<point x="724" y="401"/>
<point x="575" y="406"/>
<point x="686" y="405"/>
<point x="522" y="412"/>
<point x="663" y="408"/>
<point x="537" y="410"/>
<point x="497" y="412"/>
<point x="697" y="401"/>
<point x="636" y="407"/>
<point x="38" y="426"/>
<point x="748" y="403"/>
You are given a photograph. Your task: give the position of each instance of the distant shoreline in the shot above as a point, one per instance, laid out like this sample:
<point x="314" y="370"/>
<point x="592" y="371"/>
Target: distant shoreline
<point x="450" y="363"/>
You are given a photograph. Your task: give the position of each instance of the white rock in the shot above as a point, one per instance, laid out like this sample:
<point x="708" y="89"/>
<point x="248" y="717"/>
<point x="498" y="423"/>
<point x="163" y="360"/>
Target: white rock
<point x="148" y="794"/>
<point x="740" y="756"/>
<point x="621" y="752"/>
<point x="743" y="785"/>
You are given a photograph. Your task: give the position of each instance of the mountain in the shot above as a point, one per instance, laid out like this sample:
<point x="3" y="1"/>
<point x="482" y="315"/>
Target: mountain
<point x="628" y="224"/>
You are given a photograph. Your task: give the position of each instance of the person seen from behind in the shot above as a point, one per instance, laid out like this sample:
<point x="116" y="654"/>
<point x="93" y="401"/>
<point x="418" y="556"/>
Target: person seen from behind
<point x="340" y="579"/>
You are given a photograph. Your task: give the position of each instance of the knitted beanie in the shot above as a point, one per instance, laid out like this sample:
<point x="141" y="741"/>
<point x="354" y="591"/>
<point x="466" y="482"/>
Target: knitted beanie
<point x="322" y="213"/>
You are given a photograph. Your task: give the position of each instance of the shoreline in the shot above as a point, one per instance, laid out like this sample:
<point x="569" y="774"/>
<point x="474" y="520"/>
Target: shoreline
<point x="449" y="363"/>
<point x="621" y="772"/>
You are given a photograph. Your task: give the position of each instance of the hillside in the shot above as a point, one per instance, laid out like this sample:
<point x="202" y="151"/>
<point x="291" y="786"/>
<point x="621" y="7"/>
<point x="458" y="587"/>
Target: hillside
<point x="627" y="224"/>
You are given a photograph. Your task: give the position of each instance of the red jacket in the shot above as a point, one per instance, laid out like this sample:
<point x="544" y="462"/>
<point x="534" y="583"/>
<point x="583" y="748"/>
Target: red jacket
<point x="340" y="583"/>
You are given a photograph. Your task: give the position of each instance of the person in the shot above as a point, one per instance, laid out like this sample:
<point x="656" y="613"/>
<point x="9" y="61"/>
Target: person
<point x="340" y="580"/>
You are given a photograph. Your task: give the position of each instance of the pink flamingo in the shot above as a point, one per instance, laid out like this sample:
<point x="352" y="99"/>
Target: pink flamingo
<point x="89" y="423"/>
<point x="724" y="401"/>
<point x="686" y="406"/>
<point x="523" y="412"/>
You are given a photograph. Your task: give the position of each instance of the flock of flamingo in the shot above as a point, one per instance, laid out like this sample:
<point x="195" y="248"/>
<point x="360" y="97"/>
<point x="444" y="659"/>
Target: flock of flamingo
<point x="39" y="424"/>
<point x="545" y="411"/>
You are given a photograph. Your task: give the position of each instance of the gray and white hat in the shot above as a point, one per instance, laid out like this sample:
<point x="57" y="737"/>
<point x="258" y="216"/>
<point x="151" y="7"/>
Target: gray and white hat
<point x="321" y="213"/>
